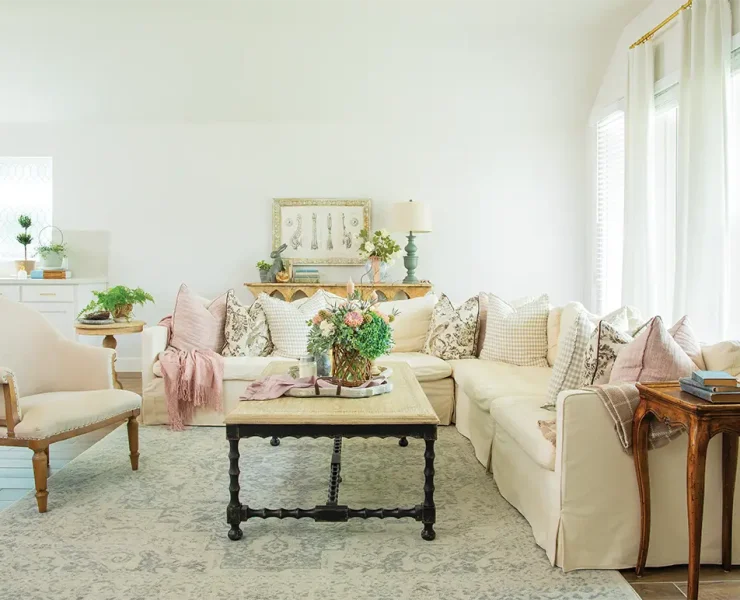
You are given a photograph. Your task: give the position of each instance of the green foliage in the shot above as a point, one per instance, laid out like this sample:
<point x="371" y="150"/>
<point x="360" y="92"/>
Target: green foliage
<point x="44" y="251"/>
<point x="117" y="297"/>
<point x="24" y="238"/>
<point x="356" y="324"/>
<point x="24" y="221"/>
<point x="380" y="245"/>
<point x="264" y="266"/>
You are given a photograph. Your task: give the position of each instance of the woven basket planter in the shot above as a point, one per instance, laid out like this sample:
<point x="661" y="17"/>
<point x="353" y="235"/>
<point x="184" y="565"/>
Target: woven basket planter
<point x="350" y="368"/>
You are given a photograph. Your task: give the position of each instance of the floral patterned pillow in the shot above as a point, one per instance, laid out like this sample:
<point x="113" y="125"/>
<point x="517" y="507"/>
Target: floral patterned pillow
<point x="453" y="332"/>
<point x="604" y="346"/>
<point x="246" y="332"/>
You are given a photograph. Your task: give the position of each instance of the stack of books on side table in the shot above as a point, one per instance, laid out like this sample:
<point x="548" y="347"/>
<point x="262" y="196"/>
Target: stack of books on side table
<point x="305" y="275"/>
<point x="714" y="386"/>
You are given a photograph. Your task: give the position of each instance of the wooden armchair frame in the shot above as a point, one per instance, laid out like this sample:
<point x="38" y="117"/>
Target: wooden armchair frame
<point x="40" y="447"/>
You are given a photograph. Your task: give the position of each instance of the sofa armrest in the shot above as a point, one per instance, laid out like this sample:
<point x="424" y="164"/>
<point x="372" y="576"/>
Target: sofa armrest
<point x="80" y="368"/>
<point x="10" y="412"/>
<point x="153" y="341"/>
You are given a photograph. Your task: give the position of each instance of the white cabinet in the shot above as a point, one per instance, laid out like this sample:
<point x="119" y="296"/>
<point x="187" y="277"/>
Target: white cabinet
<point x="59" y="301"/>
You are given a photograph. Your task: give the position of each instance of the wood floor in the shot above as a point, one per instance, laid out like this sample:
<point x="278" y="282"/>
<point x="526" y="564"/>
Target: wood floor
<point x="16" y="480"/>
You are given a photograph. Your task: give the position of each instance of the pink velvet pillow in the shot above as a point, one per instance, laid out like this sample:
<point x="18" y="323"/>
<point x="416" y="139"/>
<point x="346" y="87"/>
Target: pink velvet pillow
<point x="195" y="326"/>
<point x="652" y="356"/>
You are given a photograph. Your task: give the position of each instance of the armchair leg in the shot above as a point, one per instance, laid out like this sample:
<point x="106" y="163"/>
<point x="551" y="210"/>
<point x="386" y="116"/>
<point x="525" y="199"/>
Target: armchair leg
<point x="48" y="459"/>
<point x="40" y="474"/>
<point x="133" y="442"/>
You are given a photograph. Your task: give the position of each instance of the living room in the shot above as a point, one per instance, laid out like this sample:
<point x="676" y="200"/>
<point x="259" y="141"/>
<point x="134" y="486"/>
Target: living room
<point x="217" y="194"/>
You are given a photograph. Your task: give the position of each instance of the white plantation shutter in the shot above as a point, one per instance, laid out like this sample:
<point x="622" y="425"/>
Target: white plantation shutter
<point x="607" y="284"/>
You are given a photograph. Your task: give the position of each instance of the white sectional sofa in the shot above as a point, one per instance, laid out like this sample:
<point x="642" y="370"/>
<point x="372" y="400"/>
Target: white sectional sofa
<point x="580" y="497"/>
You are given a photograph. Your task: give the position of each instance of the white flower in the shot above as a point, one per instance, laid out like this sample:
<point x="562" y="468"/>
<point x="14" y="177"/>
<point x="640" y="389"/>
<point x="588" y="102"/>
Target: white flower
<point x="384" y="232"/>
<point x="327" y="328"/>
<point x="369" y="247"/>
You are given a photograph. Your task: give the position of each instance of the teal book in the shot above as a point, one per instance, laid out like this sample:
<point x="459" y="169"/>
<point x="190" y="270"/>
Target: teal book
<point x="709" y="378"/>
<point x="716" y="397"/>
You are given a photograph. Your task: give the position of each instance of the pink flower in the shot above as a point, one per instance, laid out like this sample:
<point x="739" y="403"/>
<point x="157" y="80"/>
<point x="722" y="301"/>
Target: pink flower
<point x="354" y="319"/>
<point x="383" y="316"/>
<point x="317" y="319"/>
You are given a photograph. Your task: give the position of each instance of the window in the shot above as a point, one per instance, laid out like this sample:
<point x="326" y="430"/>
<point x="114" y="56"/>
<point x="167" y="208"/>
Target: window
<point x="25" y="189"/>
<point x="609" y="212"/>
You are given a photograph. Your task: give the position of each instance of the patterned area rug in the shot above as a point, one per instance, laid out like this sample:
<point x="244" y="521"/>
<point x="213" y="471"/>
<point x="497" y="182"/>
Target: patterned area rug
<point x="160" y="533"/>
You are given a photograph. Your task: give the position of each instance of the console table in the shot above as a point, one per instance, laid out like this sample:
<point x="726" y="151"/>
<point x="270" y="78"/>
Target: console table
<point x="386" y="291"/>
<point x="702" y="420"/>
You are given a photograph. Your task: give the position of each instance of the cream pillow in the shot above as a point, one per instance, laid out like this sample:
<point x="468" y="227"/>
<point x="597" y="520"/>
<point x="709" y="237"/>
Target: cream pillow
<point x="553" y="333"/>
<point x="412" y="322"/>
<point x="517" y="336"/>
<point x="288" y="323"/>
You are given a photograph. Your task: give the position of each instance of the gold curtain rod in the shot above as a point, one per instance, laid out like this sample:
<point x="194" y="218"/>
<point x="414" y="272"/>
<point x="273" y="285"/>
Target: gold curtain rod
<point x="652" y="32"/>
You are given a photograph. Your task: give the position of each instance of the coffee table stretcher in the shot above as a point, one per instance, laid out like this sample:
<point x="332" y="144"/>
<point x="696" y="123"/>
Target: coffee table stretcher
<point x="332" y="511"/>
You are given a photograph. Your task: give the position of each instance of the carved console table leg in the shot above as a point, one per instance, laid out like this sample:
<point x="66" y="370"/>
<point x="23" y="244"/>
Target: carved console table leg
<point x="429" y="514"/>
<point x="233" y="511"/>
<point x="640" y="453"/>
<point x="336" y="468"/>
<point x="729" y="474"/>
<point x="697" y="459"/>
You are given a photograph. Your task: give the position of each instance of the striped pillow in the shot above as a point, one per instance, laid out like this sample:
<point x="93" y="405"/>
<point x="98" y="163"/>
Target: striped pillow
<point x="288" y="323"/>
<point x="517" y="336"/>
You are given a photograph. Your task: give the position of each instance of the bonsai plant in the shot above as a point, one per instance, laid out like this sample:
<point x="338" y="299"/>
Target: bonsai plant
<point x="119" y="301"/>
<point x="264" y="269"/>
<point x="25" y="240"/>
<point x="52" y="255"/>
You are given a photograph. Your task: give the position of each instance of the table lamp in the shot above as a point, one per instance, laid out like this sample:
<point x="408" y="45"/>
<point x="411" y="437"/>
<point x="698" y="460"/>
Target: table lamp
<point x="412" y="217"/>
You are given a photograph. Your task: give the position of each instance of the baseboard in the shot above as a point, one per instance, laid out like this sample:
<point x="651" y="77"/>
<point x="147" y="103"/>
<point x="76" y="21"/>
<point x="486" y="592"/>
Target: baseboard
<point x="128" y="365"/>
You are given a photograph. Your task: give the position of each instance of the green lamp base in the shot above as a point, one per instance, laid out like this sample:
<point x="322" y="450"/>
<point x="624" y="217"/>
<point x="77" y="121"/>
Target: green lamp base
<point x="410" y="261"/>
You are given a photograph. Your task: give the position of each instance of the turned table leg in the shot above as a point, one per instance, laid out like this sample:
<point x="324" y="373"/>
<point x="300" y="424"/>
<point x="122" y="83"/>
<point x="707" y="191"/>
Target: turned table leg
<point x="640" y="426"/>
<point x="110" y="341"/>
<point x="233" y="511"/>
<point x="729" y="474"/>
<point x="697" y="460"/>
<point x="133" y="442"/>
<point x="429" y="513"/>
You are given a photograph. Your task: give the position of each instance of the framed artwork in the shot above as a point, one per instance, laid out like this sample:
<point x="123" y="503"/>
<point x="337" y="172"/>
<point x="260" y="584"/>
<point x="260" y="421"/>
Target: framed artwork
<point x="319" y="231"/>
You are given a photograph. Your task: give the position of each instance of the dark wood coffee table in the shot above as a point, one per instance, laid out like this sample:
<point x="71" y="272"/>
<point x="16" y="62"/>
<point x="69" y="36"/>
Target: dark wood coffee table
<point x="403" y="413"/>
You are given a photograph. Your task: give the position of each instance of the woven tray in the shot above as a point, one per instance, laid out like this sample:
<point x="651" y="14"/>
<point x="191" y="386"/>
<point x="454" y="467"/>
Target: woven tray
<point x="341" y="391"/>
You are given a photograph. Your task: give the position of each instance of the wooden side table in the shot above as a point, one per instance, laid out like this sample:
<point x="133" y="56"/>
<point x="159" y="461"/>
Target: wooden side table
<point x="109" y="341"/>
<point x="702" y="420"/>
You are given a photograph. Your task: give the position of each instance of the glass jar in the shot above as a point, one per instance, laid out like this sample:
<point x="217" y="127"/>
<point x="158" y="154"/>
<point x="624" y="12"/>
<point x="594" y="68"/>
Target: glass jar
<point x="323" y="365"/>
<point x="306" y="367"/>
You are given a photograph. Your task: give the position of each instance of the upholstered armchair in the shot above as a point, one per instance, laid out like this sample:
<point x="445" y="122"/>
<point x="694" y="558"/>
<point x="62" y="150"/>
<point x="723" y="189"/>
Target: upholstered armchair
<point x="54" y="389"/>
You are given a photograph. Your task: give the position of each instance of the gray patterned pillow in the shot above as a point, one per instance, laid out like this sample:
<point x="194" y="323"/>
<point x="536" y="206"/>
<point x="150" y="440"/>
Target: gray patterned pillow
<point x="603" y="348"/>
<point x="453" y="332"/>
<point x="246" y="330"/>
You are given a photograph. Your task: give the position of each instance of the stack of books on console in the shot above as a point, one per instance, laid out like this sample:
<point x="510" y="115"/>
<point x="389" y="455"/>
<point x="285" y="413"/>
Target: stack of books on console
<point x="50" y="274"/>
<point x="305" y="275"/>
<point x="714" y="386"/>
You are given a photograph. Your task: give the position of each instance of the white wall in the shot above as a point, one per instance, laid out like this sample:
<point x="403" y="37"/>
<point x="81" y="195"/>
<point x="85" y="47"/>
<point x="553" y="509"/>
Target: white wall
<point x="173" y="124"/>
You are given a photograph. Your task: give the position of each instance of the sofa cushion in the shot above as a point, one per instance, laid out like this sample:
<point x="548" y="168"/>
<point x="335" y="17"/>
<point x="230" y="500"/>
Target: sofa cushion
<point x="45" y="415"/>
<point x="288" y="322"/>
<point x="412" y="322"/>
<point x="724" y="356"/>
<point x="519" y="417"/>
<point x="195" y="326"/>
<point x="484" y="380"/>
<point x="246" y="332"/>
<point x="453" y="330"/>
<point x="553" y="333"/>
<point x="516" y="335"/>
<point x="244" y="368"/>
<point x="424" y="366"/>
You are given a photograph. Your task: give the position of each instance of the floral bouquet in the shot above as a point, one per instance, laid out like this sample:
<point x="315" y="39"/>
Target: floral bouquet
<point x="356" y="332"/>
<point x="379" y="250"/>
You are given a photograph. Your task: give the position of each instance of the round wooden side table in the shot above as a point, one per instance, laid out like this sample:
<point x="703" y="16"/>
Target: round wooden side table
<point x="111" y="330"/>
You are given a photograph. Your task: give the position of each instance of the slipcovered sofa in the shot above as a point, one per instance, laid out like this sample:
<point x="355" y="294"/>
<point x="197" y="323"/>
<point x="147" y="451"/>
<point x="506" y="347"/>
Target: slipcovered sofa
<point x="580" y="496"/>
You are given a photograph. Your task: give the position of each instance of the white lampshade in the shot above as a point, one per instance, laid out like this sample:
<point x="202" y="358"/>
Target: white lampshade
<point x="414" y="217"/>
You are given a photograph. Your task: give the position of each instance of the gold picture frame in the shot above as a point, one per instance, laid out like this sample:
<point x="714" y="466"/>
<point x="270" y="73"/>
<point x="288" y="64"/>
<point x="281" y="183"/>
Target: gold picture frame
<point x="320" y="231"/>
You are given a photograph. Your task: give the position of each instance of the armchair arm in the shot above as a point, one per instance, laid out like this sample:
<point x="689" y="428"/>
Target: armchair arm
<point x="10" y="411"/>
<point x="78" y="367"/>
<point x="153" y="341"/>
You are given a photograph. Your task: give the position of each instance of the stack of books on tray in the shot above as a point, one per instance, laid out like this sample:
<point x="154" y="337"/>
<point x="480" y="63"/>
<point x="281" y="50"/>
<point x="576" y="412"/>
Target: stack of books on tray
<point x="714" y="386"/>
<point x="305" y="275"/>
<point x="50" y="274"/>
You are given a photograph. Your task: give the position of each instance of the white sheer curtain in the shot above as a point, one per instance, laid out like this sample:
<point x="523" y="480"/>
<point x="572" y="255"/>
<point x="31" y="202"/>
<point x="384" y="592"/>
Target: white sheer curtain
<point x="639" y="262"/>
<point x="702" y="210"/>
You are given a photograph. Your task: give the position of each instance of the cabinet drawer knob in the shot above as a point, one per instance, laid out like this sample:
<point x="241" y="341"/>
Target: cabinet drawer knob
<point x="47" y="294"/>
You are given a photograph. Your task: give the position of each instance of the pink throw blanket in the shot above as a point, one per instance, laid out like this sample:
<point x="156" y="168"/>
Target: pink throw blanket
<point x="274" y="386"/>
<point x="192" y="379"/>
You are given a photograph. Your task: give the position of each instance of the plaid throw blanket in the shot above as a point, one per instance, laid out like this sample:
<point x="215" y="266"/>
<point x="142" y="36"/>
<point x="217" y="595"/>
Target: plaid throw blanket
<point x="620" y="401"/>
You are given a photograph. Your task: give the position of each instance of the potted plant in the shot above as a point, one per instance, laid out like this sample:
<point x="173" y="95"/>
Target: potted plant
<point x="25" y="240"/>
<point x="52" y="255"/>
<point x="264" y="269"/>
<point x="379" y="249"/>
<point x="119" y="301"/>
<point x="356" y="332"/>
